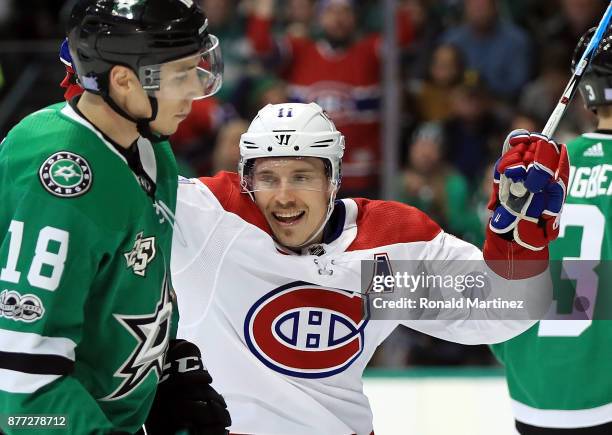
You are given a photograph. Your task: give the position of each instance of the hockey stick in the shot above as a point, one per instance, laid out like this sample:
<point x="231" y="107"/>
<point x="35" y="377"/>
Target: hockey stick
<point x="519" y="189"/>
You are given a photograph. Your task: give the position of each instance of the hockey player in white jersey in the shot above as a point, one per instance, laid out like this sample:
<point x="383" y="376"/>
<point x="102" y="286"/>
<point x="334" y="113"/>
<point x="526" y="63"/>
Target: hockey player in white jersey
<point x="266" y="264"/>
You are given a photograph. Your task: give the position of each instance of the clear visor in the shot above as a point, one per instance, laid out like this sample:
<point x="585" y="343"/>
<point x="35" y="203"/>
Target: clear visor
<point x="295" y="174"/>
<point x="190" y="78"/>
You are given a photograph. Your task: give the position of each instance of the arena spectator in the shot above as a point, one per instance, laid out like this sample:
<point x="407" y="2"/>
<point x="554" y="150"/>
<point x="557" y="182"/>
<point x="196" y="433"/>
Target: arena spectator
<point x="193" y="141"/>
<point x="487" y="41"/>
<point x="300" y="17"/>
<point x="471" y="128"/>
<point x="427" y="28"/>
<point x="430" y="98"/>
<point x="341" y="71"/>
<point x="265" y="90"/>
<point x="227" y="152"/>
<point x="228" y="23"/>
<point x="541" y="95"/>
<point x="432" y="185"/>
<point x="573" y="19"/>
<point x="526" y="121"/>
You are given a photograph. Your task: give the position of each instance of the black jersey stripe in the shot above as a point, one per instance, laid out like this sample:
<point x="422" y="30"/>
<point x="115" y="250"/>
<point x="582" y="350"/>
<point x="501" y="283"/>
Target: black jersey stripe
<point x="526" y="429"/>
<point x="36" y="364"/>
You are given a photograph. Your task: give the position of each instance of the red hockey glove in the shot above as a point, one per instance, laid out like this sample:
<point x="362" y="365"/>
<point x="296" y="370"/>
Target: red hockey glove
<point x="543" y="167"/>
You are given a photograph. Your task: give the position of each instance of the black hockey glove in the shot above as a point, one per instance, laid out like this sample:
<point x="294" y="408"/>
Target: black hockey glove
<point x="185" y="400"/>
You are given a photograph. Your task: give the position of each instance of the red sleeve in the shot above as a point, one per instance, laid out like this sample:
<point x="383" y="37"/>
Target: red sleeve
<point x="259" y="32"/>
<point x="226" y="188"/>
<point x="223" y="186"/>
<point x="512" y="261"/>
<point x="382" y="223"/>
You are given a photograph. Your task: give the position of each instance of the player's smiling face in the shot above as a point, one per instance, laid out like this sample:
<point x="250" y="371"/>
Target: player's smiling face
<point x="293" y="194"/>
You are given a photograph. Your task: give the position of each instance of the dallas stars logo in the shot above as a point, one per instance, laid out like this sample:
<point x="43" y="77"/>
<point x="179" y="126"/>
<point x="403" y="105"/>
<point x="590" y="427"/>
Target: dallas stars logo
<point x="141" y="254"/>
<point x="66" y="175"/>
<point x="152" y="333"/>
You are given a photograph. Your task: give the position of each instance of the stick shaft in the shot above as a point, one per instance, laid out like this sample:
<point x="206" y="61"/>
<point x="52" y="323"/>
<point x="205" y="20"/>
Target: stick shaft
<point x="518" y="189"/>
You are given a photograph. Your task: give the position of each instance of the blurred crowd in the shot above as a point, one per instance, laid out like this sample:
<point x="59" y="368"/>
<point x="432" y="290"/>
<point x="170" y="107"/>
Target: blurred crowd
<point x="471" y="70"/>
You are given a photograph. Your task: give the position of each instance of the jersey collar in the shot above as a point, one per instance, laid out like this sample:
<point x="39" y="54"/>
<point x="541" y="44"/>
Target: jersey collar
<point x="599" y="134"/>
<point x="140" y="156"/>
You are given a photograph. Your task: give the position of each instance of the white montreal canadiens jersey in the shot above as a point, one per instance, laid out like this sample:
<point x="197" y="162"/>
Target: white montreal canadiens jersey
<point x="285" y="341"/>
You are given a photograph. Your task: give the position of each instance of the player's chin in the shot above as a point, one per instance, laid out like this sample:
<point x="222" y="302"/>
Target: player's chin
<point x="167" y="128"/>
<point x="290" y="237"/>
<point x="291" y="242"/>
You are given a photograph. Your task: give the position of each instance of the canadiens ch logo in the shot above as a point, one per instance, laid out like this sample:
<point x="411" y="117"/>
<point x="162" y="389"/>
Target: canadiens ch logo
<point x="143" y="252"/>
<point x="307" y="331"/>
<point x="66" y="175"/>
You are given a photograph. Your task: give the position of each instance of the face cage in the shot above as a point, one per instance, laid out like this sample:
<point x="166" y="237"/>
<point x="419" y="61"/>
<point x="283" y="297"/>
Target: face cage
<point x="209" y="71"/>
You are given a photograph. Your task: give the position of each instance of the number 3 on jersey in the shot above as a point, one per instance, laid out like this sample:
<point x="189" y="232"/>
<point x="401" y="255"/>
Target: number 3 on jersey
<point x="592" y="221"/>
<point x="47" y="266"/>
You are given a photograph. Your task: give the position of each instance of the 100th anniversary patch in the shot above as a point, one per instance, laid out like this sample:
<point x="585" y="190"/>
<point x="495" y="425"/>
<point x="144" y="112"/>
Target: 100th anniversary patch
<point x="66" y="175"/>
<point x="24" y="308"/>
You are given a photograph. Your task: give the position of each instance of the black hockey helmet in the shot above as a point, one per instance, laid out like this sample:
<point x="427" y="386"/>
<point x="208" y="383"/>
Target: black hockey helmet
<point x="142" y="35"/>
<point x="596" y="83"/>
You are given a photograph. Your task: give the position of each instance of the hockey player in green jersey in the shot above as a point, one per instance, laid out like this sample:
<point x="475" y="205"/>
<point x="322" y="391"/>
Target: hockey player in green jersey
<point x="559" y="372"/>
<point x="88" y="191"/>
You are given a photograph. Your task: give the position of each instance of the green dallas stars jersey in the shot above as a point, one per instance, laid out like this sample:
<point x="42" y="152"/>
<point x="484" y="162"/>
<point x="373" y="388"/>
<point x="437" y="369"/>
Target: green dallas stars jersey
<point x="85" y="295"/>
<point x="560" y="371"/>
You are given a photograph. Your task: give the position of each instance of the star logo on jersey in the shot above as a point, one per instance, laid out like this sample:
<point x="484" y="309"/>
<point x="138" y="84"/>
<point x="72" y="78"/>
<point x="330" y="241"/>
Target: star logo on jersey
<point x="66" y="175"/>
<point x="143" y="252"/>
<point x="67" y="172"/>
<point x="152" y="332"/>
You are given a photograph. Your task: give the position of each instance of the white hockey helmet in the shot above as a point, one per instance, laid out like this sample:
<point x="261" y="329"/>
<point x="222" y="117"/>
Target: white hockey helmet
<point x="292" y="130"/>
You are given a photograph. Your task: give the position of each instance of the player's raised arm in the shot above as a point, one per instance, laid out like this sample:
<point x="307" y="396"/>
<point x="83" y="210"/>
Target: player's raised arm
<point x="514" y="262"/>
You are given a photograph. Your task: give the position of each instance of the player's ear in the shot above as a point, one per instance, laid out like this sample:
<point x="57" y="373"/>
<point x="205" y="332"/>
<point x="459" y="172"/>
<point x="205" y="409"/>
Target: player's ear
<point x="121" y="80"/>
<point x="126" y="90"/>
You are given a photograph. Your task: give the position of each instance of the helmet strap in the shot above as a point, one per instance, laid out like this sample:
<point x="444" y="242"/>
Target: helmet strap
<point x="143" y="125"/>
